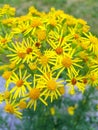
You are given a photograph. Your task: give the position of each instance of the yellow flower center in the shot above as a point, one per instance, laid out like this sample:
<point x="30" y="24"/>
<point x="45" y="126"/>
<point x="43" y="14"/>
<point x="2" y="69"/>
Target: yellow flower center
<point x="22" y="104"/>
<point x="73" y="81"/>
<point x="66" y="62"/>
<point x="41" y="34"/>
<point x="21" y="54"/>
<point x="93" y="78"/>
<point x="83" y="45"/>
<point x="33" y="66"/>
<point x="59" y="50"/>
<point x="6" y="75"/>
<point x="28" y="50"/>
<point x="53" y="22"/>
<point x="21" y="66"/>
<point x="52" y="85"/>
<point x="44" y="60"/>
<point x="76" y="36"/>
<point x="3" y="40"/>
<point x="9" y="108"/>
<point x="34" y="93"/>
<point x="93" y="39"/>
<point x="19" y="83"/>
<point x="62" y="90"/>
<point x="86" y="28"/>
<point x="36" y="23"/>
<point x="12" y="65"/>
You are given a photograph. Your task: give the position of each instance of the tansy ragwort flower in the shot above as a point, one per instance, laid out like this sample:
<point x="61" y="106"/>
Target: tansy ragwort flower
<point x="71" y="110"/>
<point x="12" y="108"/>
<point x="20" y="83"/>
<point x="24" y="51"/>
<point x="33" y="96"/>
<point x="75" y="80"/>
<point x="94" y="65"/>
<point x="7" y="10"/>
<point x="59" y="42"/>
<point x="68" y="62"/>
<point x="6" y="95"/>
<point x="20" y="28"/>
<point x="49" y="84"/>
<point x="92" y="41"/>
<point x="93" y="78"/>
<point x="6" y="75"/>
<point x="46" y="60"/>
<point x="22" y="104"/>
<point x="35" y="23"/>
<point x="4" y="40"/>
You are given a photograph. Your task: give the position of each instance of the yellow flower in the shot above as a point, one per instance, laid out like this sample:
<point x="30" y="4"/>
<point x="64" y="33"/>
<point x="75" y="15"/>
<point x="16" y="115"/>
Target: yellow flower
<point x="70" y="20"/>
<point x="84" y="56"/>
<point x="7" y="10"/>
<point x="67" y="61"/>
<point x="52" y="111"/>
<point x="81" y="21"/>
<point x="36" y="23"/>
<point x="93" y="78"/>
<point x="24" y="51"/>
<point x="58" y="42"/>
<point x="49" y="84"/>
<point x="21" y="85"/>
<point x="32" y="97"/>
<point x="33" y="11"/>
<point x="12" y="65"/>
<point x="29" y="49"/>
<point x="47" y="59"/>
<point x="9" y="22"/>
<point x="5" y="40"/>
<point x="75" y="80"/>
<point x="71" y="110"/>
<point x="41" y="34"/>
<point x="62" y="90"/>
<point x="33" y="66"/>
<point x="16" y="52"/>
<point x="93" y="42"/>
<point x="21" y="28"/>
<point x="6" y="75"/>
<point x="22" y="104"/>
<point x="6" y="95"/>
<point x="12" y="108"/>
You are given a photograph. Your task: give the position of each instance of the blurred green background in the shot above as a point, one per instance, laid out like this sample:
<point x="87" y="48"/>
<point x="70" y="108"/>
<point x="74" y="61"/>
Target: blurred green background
<point x="86" y="9"/>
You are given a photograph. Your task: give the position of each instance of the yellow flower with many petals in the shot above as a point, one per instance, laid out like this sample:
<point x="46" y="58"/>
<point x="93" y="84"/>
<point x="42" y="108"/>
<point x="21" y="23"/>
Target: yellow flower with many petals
<point x="12" y="108"/>
<point x="75" y="80"/>
<point x="21" y="85"/>
<point x="33" y="96"/>
<point x="49" y="84"/>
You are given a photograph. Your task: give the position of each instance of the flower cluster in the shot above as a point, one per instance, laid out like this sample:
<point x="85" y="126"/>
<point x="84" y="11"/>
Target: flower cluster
<point x="41" y="53"/>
